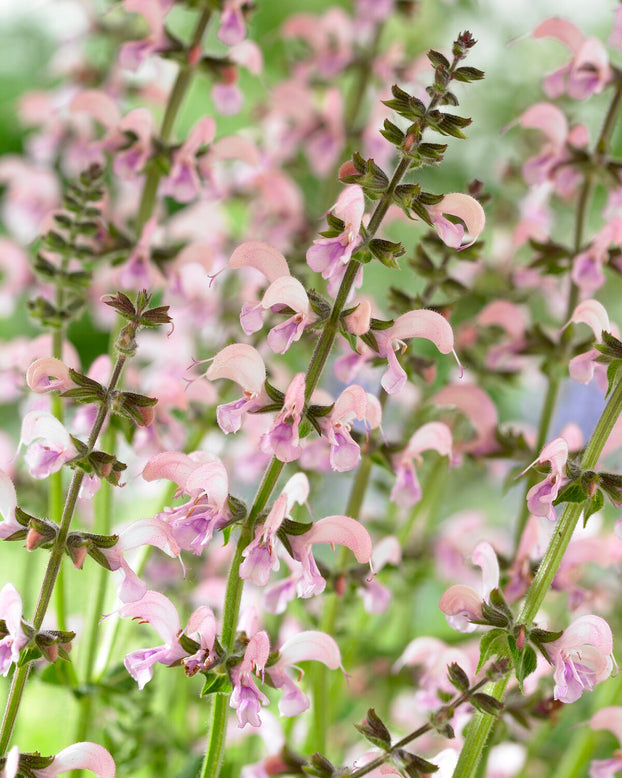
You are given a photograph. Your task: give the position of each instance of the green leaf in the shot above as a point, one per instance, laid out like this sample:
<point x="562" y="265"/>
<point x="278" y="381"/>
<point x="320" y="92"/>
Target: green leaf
<point x="593" y="505"/>
<point x="493" y="643"/>
<point x="216" y="683"/>
<point x="574" y="492"/>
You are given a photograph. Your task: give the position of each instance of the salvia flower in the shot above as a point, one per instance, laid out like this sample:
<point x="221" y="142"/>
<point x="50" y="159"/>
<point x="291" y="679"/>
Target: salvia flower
<point x="285" y="293"/>
<point x="462" y="604"/>
<point x="260" y="556"/>
<point x="540" y="497"/>
<point x="48" y="374"/>
<point x="434" y="436"/>
<point x="467" y="209"/>
<point x="243" y="364"/>
<point x="609" y="718"/>
<point x="15" y="639"/>
<point x="8" y="503"/>
<point x="414" y="324"/>
<point x="204" y="479"/>
<point x="48" y="443"/>
<point x="353" y="403"/>
<point x="246" y="698"/>
<point x="183" y="182"/>
<point x="329" y="256"/>
<point x="79" y="756"/>
<point x="157" y="610"/>
<point x="134" y="53"/>
<point x="582" y="657"/>
<point x="302" y="647"/>
<point x="341" y="530"/>
<point x="587" y="73"/>
<point x="282" y="439"/>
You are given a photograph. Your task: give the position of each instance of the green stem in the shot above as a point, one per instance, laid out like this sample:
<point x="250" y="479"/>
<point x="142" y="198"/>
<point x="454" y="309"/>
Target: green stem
<point x="479" y="729"/>
<point x="54" y="563"/>
<point x="103" y="521"/>
<point x="176" y="97"/>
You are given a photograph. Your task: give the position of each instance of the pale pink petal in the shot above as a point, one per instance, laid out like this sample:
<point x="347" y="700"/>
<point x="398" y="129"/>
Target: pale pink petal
<point x="173" y="465"/>
<point x="592" y="313"/>
<point x="431" y="436"/>
<point x="587" y="630"/>
<point x="478" y="408"/>
<point x="308" y="645"/>
<point x="386" y="551"/>
<point x="296" y="489"/>
<point x="609" y="718"/>
<point x="464" y="207"/>
<point x="234" y="147"/>
<point x="563" y="30"/>
<point x="8" y="497"/>
<point x="97" y="104"/>
<point x="261" y="256"/>
<point x="484" y="556"/>
<point x="287" y="290"/>
<point x="424" y="324"/>
<point x="47" y="374"/>
<point x="549" y="119"/>
<point x="240" y="363"/>
<point x="505" y="314"/>
<point x="461" y="605"/>
<point x="212" y="478"/>
<point x="350" y="207"/>
<point x="42" y="425"/>
<point x="81" y="756"/>
<point x="157" y="610"/>
<point x="343" y="531"/>
<point x="201" y="134"/>
<point x="358" y="322"/>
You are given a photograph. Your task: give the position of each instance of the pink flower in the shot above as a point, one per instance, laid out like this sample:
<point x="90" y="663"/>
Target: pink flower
<point x="461" y="604"/>
<point x="285" y="292"/>
<point x="260" y="557"/>
<point x="48" y="374"/>
<point x="49" y="445"/>
<point x="611" y="719"/>
<point x="15" y="639"/>
<point x="232" y="28"/>
<point x="582" y="657"/>
<point x="8" y="503"/>
<point x="246" y="698"/>
<point x="434" y="436"/>
<point x="146" y="532"/>
<point x="342" y="530"/>
<point x="282" y="439"/>
<point x="540" y="497"/>
<point x="465" y="208"/>
<point x="79" y="756"/>
<point x="159" y="611"/>
<point x="301" y="648"/>
<point x="414" y="324"/>
<point x="183" y="182"/>
<point x="584" y="367"/>
<point x="204" y="479"/>
<point x="243" y="364"/>
<point x="353" y="403"/>
<point x="552" y="162"/>
<point x="587" y="73"/>
<point x="134" y="53"/>
<point x="329" y="256"/>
